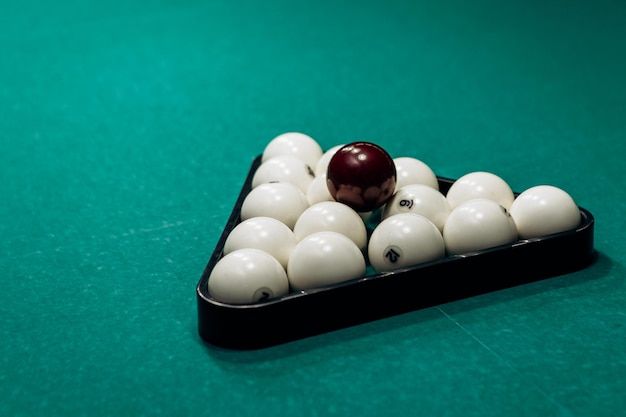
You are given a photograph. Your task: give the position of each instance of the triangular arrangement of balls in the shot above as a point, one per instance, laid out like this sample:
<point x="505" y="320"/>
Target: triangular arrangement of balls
<point x="314" y="219"/>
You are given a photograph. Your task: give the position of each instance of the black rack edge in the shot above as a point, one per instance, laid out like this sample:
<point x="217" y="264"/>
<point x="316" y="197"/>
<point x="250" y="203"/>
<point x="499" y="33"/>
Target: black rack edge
<point x="378" y="296"/>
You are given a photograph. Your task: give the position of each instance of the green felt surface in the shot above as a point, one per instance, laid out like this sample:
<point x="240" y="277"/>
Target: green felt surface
<point x="127" y="129"/>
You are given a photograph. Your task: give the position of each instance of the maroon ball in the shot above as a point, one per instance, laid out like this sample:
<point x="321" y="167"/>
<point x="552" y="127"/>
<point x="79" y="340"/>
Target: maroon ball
<point x="361" y="175"/>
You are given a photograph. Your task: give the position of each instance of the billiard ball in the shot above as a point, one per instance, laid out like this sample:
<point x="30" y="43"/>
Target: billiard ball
<point x="322" y="259"/>
<point x="322" y="164"/>
<point x="318" y="190"/>
<point x="361" y="175"/>
<point x="280" y="200"/>
<point x="264" y="233"/>
<point x="480" y="184"/>
<point x="413" y="171"/>
<point x="287" y="168"/>
<point x="419" y="199"/>
<point x="294" y="143"/>
<point x="478" y="224"/>
<point x="247" y="276"/>
<point x="543" y="210"/>
<point x="331" y="216"/>
<point x="403" y="240"/>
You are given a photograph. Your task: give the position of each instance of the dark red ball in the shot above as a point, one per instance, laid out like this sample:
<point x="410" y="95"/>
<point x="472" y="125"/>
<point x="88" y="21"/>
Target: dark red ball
<point x="361" y="175"/>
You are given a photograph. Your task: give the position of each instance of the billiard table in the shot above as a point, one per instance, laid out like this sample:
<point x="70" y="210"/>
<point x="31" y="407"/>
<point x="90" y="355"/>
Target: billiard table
<point x="127" y="131"/>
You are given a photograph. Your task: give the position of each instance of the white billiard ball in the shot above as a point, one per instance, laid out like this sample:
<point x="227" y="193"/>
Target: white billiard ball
<point x="478" y="224"/>
<point x="413" y="171"/>
<point x="247" y="276"/>
<point x="280" y="200"/>
<point x="322" y="164"/>
<point x="294" y="143"/>
<point x="404" y="240"/>
<point x="366" y="216"/>
<point x="332" y="216"/>
<point x="322" y="259"/>
<point x="543" y="210"/>
<point x="318" y="190"/>
<point x="419" y="199"/>
<point x="264" y="233"/>
<point x="286" y="168"/>
<point x="480" y="184"/>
